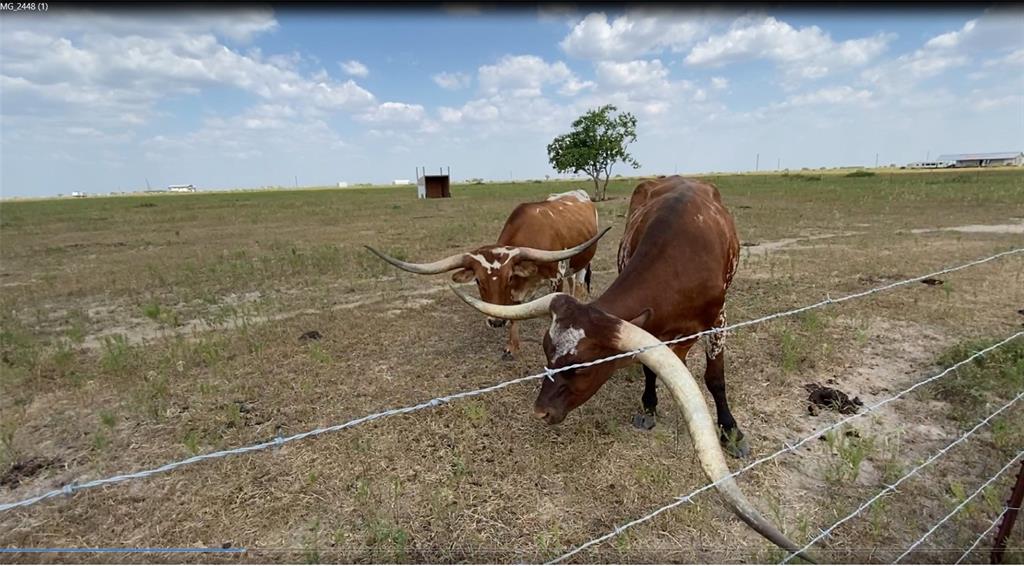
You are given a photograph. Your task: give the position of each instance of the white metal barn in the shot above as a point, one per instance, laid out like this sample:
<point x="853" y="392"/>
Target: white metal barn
<point x="1000" y="159"/>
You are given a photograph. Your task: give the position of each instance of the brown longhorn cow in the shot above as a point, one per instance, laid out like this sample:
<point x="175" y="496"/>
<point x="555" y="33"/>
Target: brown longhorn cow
<point x="677" y="258"/>
<point x="552" y="240"/>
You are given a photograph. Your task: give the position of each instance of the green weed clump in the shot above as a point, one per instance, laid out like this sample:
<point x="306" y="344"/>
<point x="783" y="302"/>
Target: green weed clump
<point x="986" y="379"/>
<point x="850" y="450"/>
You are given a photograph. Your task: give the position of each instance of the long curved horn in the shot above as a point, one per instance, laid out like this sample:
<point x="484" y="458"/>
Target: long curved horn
<point x="533" y="309"/>
<point x="440" y="266"/>
<point x="702" y="429"/>
<point x="533" y="254"/>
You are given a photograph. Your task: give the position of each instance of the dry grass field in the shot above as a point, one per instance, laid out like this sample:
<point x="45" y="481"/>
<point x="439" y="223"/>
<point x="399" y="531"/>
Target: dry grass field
<point x="135" y="331"/>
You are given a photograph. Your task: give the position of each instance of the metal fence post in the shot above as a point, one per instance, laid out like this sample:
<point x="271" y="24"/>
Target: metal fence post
<point x="1012" y="508"/>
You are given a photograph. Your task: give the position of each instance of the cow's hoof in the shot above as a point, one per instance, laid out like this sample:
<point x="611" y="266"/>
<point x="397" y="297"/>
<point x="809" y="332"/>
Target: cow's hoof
<point x="644" y="421"/>
<point x="735" y="444"/>
<point x="508" y="356"/>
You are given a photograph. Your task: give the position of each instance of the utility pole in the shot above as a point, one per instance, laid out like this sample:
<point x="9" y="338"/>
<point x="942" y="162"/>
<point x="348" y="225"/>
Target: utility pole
<point x="778" y="164"/>
<point x="296" y="181"/>
<point x="757" y="163"/>
<point x="876" y="161"/>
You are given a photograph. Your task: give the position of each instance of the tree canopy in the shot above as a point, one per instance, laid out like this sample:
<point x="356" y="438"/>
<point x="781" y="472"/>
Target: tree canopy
<point x="597" y="141"/>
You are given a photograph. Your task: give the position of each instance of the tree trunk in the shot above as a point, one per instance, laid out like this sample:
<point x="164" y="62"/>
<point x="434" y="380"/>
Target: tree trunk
<point x="597" y="189"/>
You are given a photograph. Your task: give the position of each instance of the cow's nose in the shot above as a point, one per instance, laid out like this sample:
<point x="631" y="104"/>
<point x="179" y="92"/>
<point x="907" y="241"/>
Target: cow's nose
<point x="541" y="414"/>
<point x="495" y="322"/>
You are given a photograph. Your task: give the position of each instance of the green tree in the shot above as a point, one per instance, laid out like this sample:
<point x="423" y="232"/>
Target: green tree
<point x="597" y="141"/>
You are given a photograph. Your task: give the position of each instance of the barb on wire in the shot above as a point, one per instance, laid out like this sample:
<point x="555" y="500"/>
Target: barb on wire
<point x="960" y="506"/>
<point x="983" y="535"/>
<point x="548" y="372"/>
<point x="787" y="447"/>
<point x="911" y="473"/>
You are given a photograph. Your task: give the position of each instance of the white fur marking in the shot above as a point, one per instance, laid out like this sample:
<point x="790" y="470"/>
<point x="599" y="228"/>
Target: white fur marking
<point x="489" y="266"/>
<point x="506" y="251"/>
<point x="732" y="271"/>
<point x="509" y="253"/>
<point x="564" y="340"/>
<point x="579" y="194"/>
<point x="714" y="344"/>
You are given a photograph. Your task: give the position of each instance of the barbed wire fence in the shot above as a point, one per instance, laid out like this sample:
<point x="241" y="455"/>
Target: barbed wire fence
<point x="962" y="504"/>
<point x="913" y="471"/>
<point x="985" y="533"/>
<point x="790" y="447"/>
<point x="71" y="488"/>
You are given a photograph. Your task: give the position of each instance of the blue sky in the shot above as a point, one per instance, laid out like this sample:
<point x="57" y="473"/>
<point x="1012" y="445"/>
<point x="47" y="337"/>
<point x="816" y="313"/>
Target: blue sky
<point x="103" y="100"/>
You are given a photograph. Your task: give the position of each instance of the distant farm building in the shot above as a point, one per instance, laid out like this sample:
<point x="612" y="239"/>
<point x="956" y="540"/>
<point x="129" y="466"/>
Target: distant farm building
<point x="342" y="185"/>
<point x="78" y="194"/>
<point x="433" y="186"/>
<point x="1001" y="159"/>
<point x="182" y="188"/>
<point x="931" y="164"/>
<point x="401" y="182"/>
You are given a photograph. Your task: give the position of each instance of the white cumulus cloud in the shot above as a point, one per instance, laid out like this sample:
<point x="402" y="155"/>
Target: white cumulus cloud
<point x="526" y="76"/>
<point x="354" y="68"/>
<point x="635" y="33"/>
<point x="831" y="95"/>
<point x="452" y="81"/>
<point x="394" y="112"/>
<point x="806" y="52"/>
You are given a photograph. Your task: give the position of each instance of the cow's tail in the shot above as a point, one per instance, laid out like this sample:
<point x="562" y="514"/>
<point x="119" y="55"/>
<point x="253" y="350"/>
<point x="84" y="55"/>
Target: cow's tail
<point x="586" y="277"/>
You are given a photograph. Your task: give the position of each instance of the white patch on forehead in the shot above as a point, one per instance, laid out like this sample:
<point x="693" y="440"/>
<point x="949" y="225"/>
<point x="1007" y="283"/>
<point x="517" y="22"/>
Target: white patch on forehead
<point x="579" y="194"/>
<point x="509" y="253"/>
<point x="564" y="340"/>
<point x="488" y="265"/>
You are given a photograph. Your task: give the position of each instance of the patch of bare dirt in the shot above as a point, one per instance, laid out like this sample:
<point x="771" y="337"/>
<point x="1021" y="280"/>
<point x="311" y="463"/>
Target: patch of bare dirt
<point x="896" y="355"/>
<point x="113" y="320"/>
<point x="976" y="229"/>
<point x="763" y="248"/>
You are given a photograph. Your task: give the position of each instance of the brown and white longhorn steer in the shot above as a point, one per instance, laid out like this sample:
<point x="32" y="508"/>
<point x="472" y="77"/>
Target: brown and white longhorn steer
<point x="549" y="241"/>
<point x="676" y="261"/>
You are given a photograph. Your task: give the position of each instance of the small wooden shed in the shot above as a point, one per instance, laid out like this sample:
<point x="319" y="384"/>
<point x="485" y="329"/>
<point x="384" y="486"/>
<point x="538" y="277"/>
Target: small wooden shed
<point x="433" y="186"/>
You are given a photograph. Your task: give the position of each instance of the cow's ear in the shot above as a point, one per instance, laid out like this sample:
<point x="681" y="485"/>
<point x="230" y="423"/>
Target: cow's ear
<point x="642" y="318"/>
<point x="463" y="276"/>
<point x="525" y="269"/>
